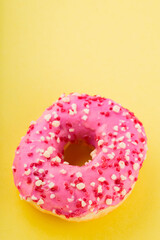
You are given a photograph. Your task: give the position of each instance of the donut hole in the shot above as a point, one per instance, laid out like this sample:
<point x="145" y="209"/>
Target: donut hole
<point x="77" y="153"/>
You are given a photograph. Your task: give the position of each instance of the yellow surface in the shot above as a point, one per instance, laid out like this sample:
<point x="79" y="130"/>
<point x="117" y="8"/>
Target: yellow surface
<point x="111" y="48"/>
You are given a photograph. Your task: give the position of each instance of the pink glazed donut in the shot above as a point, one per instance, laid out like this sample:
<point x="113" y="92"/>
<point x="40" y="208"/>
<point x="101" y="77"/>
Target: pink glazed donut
<point x="80" y="192"/>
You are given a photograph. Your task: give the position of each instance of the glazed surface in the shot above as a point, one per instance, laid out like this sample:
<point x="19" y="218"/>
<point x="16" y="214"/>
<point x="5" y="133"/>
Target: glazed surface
<point x="39" y="170"/>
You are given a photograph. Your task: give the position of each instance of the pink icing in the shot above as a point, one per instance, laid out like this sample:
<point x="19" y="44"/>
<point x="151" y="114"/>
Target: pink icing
<point x="41" y="174"/>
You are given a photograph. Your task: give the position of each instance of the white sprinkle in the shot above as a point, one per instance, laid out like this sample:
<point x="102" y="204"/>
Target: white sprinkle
<point x="56" y="159"/>
<point x="51" y="175"/>
<point x="109" y="201"/>
<point x="127" y="157"/>
<point x="135" y="166"/>
<point x="128" y="135"/>
<point x="100" y="142"/>
<point x="42" y="138"/>
<point x="131" y="177"/>
<point x="70" y="199"/>
<point x="38" y="183"/>
<point x="120" y="138"/>
<point x="84" y="117"/>
<point x="63" y="171"/>
<point x="121" y="164"/>
<point x="96" y="164"/>
<point x="58" y="140"/>
<point x="90" y="202"/>
<point x="116" y="188"/>
<point x="55" y="115"/>
<point x="40" y="202"/>
<point x="93" y="153"/>
<point x="83" y="203"/>
<point x="65" y="99"/>
<point x="92" y="184"/>
<point x="101" y="179"/>
<point x="52" y="196"/>
<point x="116" y="108"/>
<point x="55" y="123"/>
<point x="47" y="117"/>
<point x="52" y="134"/>
<point x="25" y="165"/>
<point x="27" y="172"/>
<point x="51" y="185"/>
<point x="86" y="110"/>
<point x="123" y="192"/>
<point x="73" y="184"/>
<point x="111" y="155"/>
<point x="111" y="146"/>
<point x="99" y="189"/>
<point x="78" y="174"/>
<point x="80" y="186"/>
<point x="71" y="129"/>
<point x="46" y="154"/>
<point x="50" y="149"/>
<point x="103" y="134"/>
<point x="41" y="170"/>
<point x="140" y="155"/>
<point x="123" y="177"/>
<point x="113" y="177"/>
<point x="104" y="149"/>
<point x="33" y="197"/>
<point x="115" y="128"/>
<point x="74" y="106"/>
<point x="122" y="145"/>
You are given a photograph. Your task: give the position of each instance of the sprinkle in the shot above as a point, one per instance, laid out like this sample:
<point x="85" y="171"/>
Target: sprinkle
<point x="128" y="135"/>
<point x="55" y="123"/>
<point x="56" y="159"/>
<point x="51" y="175"/>
<point x="63" y="171"/>
<point x="140" y="155"/>
<point x="80" y="186"/>
<point x="33" y="197"/>
<point x="109" y="201"/>
<point x="40" y="202"/>
<point x="123" y="192"/>
<point x="121" y="164"/>
<point x="96" y="164"/>
<point x="83" y="203"/>
<point x="101" y="179"/>
<point x="70" y="199"/>
<point x="113" y="177"/>
<point x="115" y="128"/>
<point x="100" y="142"/>
<point x="104" y="149"/>
<point x="55" y="115"/>
<point x="122" y="145"/>
<point x="116" y="188"/>
<point x="90" y="202"/>
<point x="84" y="117"/>
<point x="41" y="170"/>
<point x="51" y="185"/>
<point x="111" y="155"/>
<point x="52" y="196"/>
<point x="47" y="117"/>
<point x="73" y="184"/>
<point x="116" y="108"/>
<point x="42" y="138"/>
<point x="25" y="165"/>
<point x="27" y="172"/>
<point x="65" y="99"/>
<point x="92" y="184"/>
<point x="131" y="177"/>
<point x="103" y="134"/>
<point x="123" y="177"/>
<point x="93" y="153"/>
<point x="120" y="138"/>
<point x="86" y="110"/>
<point x="78" y="174"/>
<point x="52" y="134"/>
<point x="99" y="189"/>
<point x="136" y="166"/>
<point x="71" y="130"/>
<point x="38" y="183"/>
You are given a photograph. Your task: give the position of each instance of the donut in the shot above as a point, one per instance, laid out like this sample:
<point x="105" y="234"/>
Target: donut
<point x="79" y="193"/>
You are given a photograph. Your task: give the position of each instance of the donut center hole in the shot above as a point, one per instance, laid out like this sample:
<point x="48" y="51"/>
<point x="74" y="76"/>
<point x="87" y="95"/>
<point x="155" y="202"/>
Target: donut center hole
<point x="77" y="153"/>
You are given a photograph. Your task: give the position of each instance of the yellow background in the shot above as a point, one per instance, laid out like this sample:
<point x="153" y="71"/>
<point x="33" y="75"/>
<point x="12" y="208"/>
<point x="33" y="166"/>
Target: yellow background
<point x="111" y="48"/>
